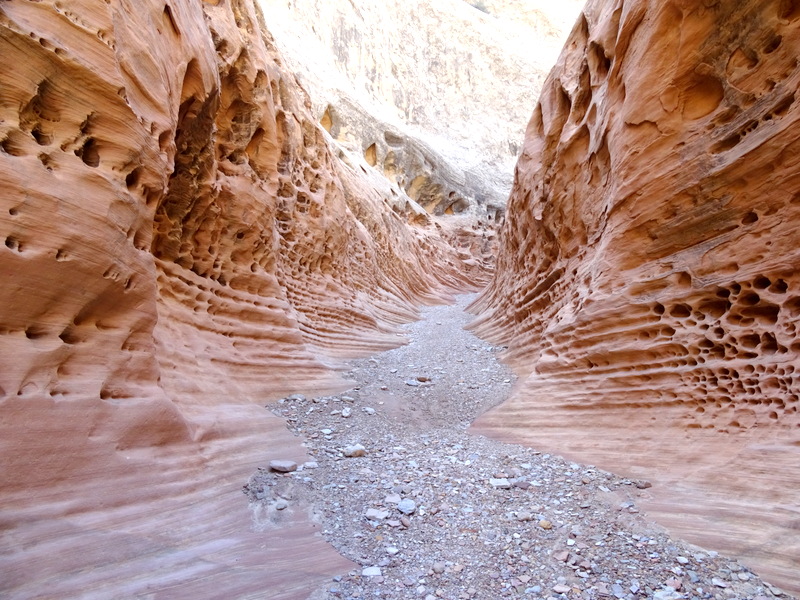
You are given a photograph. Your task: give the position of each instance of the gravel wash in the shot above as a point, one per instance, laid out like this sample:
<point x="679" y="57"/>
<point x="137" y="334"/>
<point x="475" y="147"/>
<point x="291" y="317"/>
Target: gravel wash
<point x="429" y="511"/>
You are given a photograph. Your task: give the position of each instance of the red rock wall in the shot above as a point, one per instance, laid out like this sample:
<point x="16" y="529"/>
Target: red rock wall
<point x="180" y="245"/>
<point x="647" y="281"/>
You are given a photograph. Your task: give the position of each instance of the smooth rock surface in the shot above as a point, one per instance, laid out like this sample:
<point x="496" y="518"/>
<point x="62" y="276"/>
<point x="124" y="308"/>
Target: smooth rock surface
<point x="647" y="282"/>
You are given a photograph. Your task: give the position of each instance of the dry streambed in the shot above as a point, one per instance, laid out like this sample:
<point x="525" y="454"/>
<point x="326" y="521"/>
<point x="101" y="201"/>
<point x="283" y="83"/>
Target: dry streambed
<point x="429" y="511"/>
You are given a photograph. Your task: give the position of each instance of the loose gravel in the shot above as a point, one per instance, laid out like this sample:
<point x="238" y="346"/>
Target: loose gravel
<point x="430" y="511"/>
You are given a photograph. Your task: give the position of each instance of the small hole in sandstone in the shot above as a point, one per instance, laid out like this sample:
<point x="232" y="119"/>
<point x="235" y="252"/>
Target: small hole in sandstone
<point x="773" y="44"/>
<point x="13" y="212"/>
<point x="765" y="314"/>
<point x="164" y="139"/>
<point x="761" y="282"/>
<point x="34" y="332"/>
<point x="133" y="178"/>
<point x="371" y="155"/>
<point x="750" y="341"/>
<point x="749" y="218"/>
<point x="750" y="299"/>
<point x="88" y="153"/>
<point x="240" y="235"/>
<point x="723" y="293"/>
<point x="41" y="138"/>
<point x="171" y="20"/>
<point x="68" y="336"/>
<point x="779" y="287"/>
<point x="680" y="311"/>
<point x="726" y="144"/>
<point x="658" y="309"/>
<point x="789" y="10"/>
<point x="12" y="147"/>
<point x="13" y="243"/>
<point x="61" y="255"/>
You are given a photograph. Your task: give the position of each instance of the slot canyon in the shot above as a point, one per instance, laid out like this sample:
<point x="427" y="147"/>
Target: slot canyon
<point x="222" y="224"/>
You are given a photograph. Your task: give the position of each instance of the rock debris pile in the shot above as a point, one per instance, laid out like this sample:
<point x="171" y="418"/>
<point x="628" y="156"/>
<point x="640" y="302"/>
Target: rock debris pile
<point x="428" y="511"/>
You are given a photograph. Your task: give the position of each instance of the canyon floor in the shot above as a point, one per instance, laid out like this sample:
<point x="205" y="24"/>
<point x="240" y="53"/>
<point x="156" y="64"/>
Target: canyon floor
<point x="425" y="509"/>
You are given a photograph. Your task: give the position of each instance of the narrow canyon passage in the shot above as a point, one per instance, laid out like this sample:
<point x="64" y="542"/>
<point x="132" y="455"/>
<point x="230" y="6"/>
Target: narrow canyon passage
<point x="211" y="206"/>
<point x="423" y="508"/>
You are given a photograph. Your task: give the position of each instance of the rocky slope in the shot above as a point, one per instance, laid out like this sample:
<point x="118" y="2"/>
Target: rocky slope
<point x="647" y="284"/>
<point x="181" y="243"/>
<point x="437" y="92"/>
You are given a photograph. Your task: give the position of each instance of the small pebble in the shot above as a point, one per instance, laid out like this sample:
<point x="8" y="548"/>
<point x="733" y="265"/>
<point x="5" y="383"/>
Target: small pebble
<point x="283" y="466"/>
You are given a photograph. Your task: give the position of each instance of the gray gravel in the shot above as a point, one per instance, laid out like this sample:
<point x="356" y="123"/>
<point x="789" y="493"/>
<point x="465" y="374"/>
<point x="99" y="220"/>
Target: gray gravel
<point x="429" y="511"/>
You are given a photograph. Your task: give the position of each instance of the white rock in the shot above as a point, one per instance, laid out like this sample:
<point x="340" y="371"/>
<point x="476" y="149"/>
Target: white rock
<point x="346" y="412"/>
<point x="283" y="466"/>
<point x="371" y="572"/>
<point x="376" y="515"/>
<point x="500" y="483"/>
<point x="407" y="506"/>
<point x="354" y="450"/>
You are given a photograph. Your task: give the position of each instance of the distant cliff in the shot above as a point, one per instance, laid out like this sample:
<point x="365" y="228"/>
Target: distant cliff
<point x="455" y="78"/>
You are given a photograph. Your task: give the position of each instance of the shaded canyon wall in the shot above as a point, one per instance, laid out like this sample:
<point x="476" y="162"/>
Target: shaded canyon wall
<point x="647" y="282"/>
<point x="180" y="243"/>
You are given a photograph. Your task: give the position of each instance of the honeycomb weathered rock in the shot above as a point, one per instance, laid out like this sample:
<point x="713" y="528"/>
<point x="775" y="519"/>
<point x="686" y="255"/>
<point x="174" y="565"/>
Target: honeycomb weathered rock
<point x="180" y="245"/>
<point x="647" y="280"/>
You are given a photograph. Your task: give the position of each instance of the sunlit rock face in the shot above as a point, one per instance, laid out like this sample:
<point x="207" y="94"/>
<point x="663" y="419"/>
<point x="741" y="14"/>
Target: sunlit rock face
<point x="447" y="85"/>
<point x="181" y="243"/>
<point x="647" y="280"/>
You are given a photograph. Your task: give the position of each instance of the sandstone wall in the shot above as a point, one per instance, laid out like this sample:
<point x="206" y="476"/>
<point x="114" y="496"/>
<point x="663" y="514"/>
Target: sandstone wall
<point x="647" y="281"/>
<point x="180" y="244"/>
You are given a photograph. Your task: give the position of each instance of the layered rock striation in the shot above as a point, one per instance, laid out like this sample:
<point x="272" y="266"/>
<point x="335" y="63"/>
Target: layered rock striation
<point x="647" y="280"/>
<point x="181" y="243"/>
